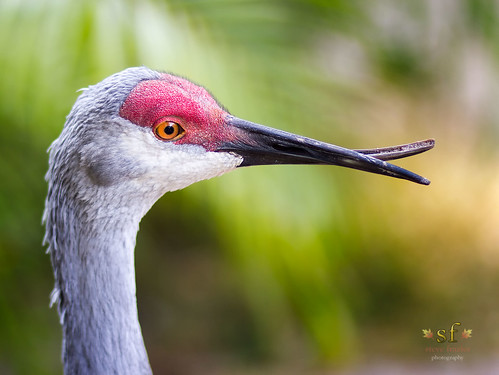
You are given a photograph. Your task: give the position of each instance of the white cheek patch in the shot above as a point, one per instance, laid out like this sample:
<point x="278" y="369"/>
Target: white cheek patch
<point x="170" y="167"/>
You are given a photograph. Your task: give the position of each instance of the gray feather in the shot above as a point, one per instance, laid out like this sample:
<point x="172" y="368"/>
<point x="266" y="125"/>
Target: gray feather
<point x="84" y="188"/>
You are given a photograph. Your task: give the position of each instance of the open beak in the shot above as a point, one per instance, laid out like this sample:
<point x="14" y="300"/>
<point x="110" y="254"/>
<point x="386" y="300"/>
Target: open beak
<point x="261" y="145"/>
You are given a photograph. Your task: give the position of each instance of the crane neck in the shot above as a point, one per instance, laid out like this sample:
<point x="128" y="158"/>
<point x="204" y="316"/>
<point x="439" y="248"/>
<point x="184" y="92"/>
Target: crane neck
<point x="92" y="251"/>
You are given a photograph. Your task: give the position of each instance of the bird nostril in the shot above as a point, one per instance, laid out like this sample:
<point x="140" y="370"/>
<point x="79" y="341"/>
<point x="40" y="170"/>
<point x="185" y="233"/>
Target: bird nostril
<point x="294" y="150"/>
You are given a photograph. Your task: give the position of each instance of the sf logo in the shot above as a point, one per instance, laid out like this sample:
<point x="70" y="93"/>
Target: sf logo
<point x="443" y="336"/>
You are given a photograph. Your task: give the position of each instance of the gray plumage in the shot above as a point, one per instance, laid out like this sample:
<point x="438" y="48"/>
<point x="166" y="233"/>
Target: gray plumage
<point x="91" y="224"/>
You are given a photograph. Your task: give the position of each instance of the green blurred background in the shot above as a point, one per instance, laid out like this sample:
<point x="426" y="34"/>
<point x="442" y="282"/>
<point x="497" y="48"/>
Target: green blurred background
<point x="276" y="270"/>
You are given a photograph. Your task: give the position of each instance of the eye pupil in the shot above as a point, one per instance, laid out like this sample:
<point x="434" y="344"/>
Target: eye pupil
<point x="169" y="130"/>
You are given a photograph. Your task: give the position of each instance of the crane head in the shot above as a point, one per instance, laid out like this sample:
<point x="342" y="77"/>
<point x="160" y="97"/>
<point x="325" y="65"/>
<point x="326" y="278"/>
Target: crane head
<point x="166" y="131"/>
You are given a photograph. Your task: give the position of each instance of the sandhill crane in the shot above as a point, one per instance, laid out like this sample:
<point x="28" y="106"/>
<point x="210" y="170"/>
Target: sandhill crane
<point x="128" y="140"/>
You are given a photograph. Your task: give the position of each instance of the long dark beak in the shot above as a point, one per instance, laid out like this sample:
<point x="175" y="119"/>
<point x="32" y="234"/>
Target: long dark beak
<point x="261" y="145"/>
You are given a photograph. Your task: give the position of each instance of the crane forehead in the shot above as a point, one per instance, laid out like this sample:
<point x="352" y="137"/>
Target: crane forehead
<point x="169" y="96"/>
<point x="172" y="96"/>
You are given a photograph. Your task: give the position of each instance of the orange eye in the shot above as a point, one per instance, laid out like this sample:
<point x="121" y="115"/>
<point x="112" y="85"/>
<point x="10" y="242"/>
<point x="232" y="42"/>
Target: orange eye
<point x="169" y="131"/>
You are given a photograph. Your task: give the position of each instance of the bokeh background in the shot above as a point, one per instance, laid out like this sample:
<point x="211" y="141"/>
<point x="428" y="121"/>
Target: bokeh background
<point x="276" y="270"/>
